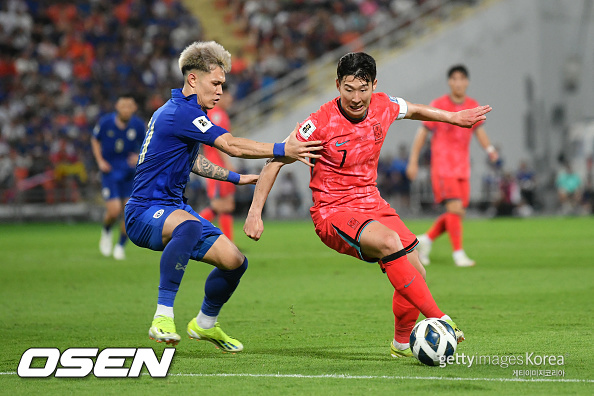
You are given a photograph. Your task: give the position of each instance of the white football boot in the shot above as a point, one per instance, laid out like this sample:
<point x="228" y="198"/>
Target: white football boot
<point x="105" y="243"/>
<point x="461" y="259"/>
<point x="118" y="252"/>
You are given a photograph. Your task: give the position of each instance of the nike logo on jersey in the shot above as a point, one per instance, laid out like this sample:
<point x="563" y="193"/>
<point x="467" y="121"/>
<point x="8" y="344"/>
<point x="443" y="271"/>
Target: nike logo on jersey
<point x="408" y="284"/>
<point x="340" y="144"/>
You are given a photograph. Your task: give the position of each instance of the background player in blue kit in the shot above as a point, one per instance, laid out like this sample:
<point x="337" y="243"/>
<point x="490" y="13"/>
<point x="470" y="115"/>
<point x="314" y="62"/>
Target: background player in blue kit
<point x="116" y="142"/>
<point x="157" y="216"/>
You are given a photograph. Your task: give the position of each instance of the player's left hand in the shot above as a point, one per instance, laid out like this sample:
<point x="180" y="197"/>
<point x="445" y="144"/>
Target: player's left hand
<point x="253" y="227"/>
<point x="247" y="179"/>
<point x="469" y="117"/>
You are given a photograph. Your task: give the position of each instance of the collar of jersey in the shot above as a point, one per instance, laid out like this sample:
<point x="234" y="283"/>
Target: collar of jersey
<point x="353" y="120"/>
<point x="191" y="99"/>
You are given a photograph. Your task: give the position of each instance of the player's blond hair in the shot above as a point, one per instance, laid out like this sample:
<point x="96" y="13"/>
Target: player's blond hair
<point x="204" y="56"/>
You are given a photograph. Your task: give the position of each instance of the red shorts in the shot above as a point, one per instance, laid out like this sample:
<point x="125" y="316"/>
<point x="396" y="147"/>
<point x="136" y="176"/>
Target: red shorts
<point x="447" y="188"/>
<point x="219" y="189"/>
<point x="342" y="230"/>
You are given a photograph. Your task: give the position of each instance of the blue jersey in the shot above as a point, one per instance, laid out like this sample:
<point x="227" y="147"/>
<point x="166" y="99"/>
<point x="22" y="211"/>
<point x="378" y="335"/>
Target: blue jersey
<point x="169" y="150"/>
<point x="117" y="144"/>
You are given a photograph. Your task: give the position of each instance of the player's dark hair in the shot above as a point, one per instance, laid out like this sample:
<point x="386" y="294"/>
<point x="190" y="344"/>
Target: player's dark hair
<point x="126" y="95"/>
<point x="357" y="64"/>
<point x="458" y="68"/>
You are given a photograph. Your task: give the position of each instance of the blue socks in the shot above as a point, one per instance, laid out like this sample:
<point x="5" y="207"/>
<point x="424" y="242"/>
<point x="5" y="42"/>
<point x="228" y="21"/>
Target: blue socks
<point x="175" y="257"/>
<point x="219" y="287"/>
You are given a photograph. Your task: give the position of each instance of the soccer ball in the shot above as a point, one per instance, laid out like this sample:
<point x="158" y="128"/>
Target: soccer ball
<point x="431" y="339"/>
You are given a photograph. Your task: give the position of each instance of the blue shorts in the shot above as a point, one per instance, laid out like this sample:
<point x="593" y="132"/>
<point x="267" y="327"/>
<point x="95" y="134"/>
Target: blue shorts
<point x="144" y="226"/>
<point x="117" y="184"/>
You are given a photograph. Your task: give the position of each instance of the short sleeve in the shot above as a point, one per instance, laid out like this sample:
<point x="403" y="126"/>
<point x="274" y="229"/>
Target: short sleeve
<point x="401" y="109"/>
<point x="198" y="127"/>
<point x="310" y="129"/>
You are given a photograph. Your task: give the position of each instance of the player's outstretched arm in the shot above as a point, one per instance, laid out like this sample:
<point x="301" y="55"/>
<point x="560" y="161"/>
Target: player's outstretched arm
<point x="412" y="168"/>
<point x="246" y="148"/>
<point x="254" y="226"/>
<point x="463" y="118"/>
<point x="103" y="165"/>
<point x="203" y="167"/>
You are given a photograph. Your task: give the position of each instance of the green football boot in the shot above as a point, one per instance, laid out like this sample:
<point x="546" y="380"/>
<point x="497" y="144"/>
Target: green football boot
<point x="215" y="335"/>
<point x="397" y="353"/>
<point x="163" y="330"/>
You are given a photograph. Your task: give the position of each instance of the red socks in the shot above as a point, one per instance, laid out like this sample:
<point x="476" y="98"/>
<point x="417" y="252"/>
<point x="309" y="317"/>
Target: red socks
<point x="450" y="222"/>
<point x="208" y="214"/>
<point x="405" y="317"/>
<point x="454" y="226"/>
<point x="226" y="224"/>
<point x="409" y="283"/>
<point x="438" y="227"/>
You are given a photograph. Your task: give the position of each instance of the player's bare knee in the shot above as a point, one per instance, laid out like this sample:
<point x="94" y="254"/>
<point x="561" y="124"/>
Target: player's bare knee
<point x="391" y="243"/>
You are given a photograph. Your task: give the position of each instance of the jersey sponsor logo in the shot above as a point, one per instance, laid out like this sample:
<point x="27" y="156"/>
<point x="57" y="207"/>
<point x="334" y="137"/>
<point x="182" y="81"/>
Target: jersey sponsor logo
<point x="377" y="132"/>
<point x="307" y="129"/>
<point x="131" y="134"/>
<point x="158" y="213"/>
<point x="202" y="123"/>
<point x="80" y="362"/>
<point x="341" y="143"/>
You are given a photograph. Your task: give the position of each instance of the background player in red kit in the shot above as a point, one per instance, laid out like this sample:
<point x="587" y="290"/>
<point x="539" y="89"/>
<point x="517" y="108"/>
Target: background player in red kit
<point x="220" y="193"/>
<point x="348" y="213"/>
<point x="450" y="166"/>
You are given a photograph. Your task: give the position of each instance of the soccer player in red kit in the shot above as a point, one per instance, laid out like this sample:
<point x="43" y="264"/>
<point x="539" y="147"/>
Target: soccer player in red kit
<point x="220" y="193"/>
<point x="450" y="166"/>
<point x="349" y="214"/>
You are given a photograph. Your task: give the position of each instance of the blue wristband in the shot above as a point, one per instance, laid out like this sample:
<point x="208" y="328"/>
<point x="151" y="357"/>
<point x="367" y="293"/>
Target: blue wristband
<point x="233" y="177"/>
<point x="279" y="150"/>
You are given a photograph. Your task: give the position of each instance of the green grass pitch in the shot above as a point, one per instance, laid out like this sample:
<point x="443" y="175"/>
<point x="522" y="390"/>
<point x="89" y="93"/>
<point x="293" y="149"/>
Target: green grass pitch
<point x="312" y="321"/>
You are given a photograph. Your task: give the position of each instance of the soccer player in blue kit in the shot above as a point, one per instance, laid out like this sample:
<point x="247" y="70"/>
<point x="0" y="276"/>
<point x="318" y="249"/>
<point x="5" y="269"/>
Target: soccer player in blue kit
<point x="115" y="143"/>
<point x="157" y="216"/>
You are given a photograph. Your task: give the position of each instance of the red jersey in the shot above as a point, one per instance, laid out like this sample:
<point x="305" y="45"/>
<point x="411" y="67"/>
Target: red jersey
<point x="345" y="175"/>
<point x="450" y="144"/>
<point x="218" y="117"/>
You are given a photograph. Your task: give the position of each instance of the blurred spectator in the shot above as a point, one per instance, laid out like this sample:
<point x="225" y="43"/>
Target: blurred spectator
<point x="569" y="186"/>
<point x="526" y="179"/>
<point x="62" y="64"/>
<point x="288" y="200"/>
<point x="587" y="201"/>
<point x="509" y="195"/>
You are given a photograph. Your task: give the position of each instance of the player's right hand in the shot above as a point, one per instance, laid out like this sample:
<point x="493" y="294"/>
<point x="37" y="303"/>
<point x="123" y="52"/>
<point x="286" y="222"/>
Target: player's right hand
<point x="412" y="170"/>
<point x="253" y="227"/>
<point x="301" y="151"/>
<point x="104" y="166"/>
<point x="467" y="118"/>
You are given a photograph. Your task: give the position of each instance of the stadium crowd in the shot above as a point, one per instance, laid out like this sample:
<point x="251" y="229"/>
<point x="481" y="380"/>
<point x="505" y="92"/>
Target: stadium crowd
<point x="63" y="63"/>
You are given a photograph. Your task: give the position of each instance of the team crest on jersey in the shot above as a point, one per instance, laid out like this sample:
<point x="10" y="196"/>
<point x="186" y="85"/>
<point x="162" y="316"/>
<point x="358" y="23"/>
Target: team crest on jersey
<point x="353" y="223"/>
<point x="202" y="123"/>
<point x="307" y="129"/>
<point x="158" y="213"/>
<point x="110" y="133"/>
<point x="131" y="134"/>
<point x="377" y="132"/>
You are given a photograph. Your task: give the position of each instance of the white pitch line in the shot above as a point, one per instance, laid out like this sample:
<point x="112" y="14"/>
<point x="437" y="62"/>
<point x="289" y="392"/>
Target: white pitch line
<point x="389" y="377"/>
